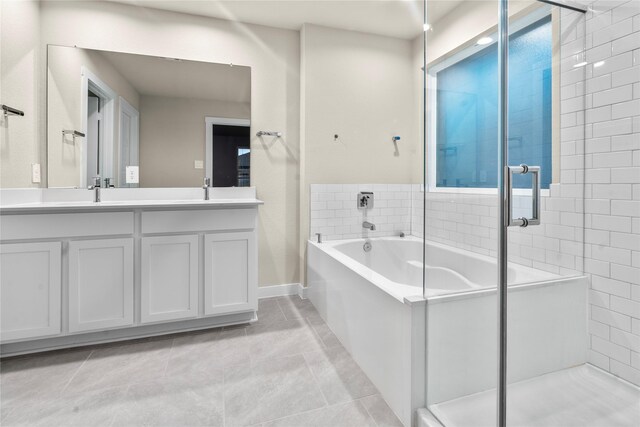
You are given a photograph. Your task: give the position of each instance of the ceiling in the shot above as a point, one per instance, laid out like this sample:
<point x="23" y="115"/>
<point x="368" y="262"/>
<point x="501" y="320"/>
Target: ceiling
<point x="395" y="18"/>
<point x="151" y="75"/>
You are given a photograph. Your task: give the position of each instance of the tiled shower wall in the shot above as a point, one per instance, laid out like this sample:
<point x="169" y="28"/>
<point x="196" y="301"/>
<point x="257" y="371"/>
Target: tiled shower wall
<point x="612" y="204"/>
<point x="469" y="221"/>
<point x="335" y="215"/>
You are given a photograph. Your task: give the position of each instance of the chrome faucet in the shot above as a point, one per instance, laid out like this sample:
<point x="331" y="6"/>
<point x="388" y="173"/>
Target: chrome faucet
<point x="206" y="186"/>
<point x="368" y="225"/>
<point x="96" y="189"/>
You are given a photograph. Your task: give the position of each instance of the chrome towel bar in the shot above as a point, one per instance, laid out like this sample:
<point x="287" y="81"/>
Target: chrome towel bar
<point x="10" y="111"/>
<point x="268" y="133"/>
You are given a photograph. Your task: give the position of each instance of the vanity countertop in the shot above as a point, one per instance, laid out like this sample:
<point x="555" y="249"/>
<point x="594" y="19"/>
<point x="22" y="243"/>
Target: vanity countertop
<point x="60" y="200"/>
<point x="124" y="204"/>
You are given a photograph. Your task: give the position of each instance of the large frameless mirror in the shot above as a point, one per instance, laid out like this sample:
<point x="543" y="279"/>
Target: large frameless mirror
<point x="143" y="121"/>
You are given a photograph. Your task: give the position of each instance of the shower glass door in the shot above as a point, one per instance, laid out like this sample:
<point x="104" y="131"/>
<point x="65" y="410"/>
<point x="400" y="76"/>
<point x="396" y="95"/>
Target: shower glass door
<point x="546" y="301"/>
<point x="461" y="210"/>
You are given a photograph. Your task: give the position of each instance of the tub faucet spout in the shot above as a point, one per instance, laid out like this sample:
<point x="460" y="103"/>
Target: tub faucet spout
<point x="368" y="225"/>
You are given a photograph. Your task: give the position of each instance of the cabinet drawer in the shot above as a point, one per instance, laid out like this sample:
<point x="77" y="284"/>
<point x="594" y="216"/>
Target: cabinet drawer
<point x="198" y="220"/>
<point x="46" y="226"/>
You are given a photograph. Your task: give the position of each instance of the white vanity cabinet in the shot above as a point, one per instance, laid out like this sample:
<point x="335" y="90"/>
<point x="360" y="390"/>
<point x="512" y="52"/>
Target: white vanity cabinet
<point x="100" y="284"/>
<point x="169" y="278"/>
<point x="80" y="273"/>
<point x="30" y="290"/>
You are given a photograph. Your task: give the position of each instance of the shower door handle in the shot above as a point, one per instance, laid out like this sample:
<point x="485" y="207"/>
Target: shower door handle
<point x="535" y="200"/>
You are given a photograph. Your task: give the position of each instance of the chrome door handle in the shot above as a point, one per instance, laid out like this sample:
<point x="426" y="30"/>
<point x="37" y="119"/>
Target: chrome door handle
<point x="535" y="200"/>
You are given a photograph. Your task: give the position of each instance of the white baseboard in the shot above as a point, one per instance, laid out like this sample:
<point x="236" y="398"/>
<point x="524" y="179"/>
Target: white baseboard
<point x="282" y="290"/>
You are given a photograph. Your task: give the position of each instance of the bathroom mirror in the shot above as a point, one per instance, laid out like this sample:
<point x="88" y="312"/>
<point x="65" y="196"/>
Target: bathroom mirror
<point x="145" y="121"/>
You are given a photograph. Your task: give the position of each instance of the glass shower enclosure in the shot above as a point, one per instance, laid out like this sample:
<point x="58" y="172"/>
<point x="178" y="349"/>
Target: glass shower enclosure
<point x="504" y="134"/>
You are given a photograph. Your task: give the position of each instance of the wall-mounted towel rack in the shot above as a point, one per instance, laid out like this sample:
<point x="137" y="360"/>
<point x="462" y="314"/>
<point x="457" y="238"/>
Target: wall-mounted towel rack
<point x="74" y="134"/>
<point x="267" y="133"/>
<point x="10" y="111"/>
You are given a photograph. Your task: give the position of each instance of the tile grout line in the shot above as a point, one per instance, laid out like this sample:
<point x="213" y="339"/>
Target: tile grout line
<point x="315" y="379"/>
<point x="166" y="365"/>
<point x="367" y="409"/>
<point x="281" y="310"/>
<point x="313" y="329"/>
<point x="77" y="370"/>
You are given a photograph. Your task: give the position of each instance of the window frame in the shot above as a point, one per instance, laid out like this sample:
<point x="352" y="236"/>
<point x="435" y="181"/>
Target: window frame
<point x="462" y="52"/>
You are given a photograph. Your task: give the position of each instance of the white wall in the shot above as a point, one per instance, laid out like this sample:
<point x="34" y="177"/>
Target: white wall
<point x="19" y="88"/>
<point x="172" y="137"/>
<point x="273" y="56"/>
<point x="360" y="87"/>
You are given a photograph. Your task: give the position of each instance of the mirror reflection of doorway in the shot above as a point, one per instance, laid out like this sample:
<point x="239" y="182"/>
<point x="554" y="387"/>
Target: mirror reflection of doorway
<point x="94" y="125"/>
<point x="228" y="152"/>
<point x="231" y="156"/>
<point x="98" y="123"/>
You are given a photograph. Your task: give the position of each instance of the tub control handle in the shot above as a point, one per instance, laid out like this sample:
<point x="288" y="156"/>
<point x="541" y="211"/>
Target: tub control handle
<point x="319" y="237"/>
<point x="535" y="200"/>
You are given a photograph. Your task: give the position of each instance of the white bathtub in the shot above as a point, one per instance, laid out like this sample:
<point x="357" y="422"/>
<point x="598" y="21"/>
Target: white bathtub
<point x="373" y="301"/>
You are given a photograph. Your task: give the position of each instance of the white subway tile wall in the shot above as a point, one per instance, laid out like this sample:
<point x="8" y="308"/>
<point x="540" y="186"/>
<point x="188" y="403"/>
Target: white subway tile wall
<point x="334" y="212"/>
<point x="470" y="221"/>
<point x="612" y="186"/>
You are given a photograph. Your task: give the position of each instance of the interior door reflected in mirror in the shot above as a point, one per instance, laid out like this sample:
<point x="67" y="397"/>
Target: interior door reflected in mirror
<point x="147" y="121"/>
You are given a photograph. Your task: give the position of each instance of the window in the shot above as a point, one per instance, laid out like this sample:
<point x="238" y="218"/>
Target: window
<point x="465" y="117"/>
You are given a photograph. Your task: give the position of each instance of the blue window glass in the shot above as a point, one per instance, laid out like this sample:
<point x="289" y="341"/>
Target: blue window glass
<point x="467" y="112"/>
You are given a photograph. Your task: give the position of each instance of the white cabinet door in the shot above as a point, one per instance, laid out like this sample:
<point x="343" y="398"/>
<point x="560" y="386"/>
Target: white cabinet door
<point x="169" y="278"/>
<point x="100" y="284"/>
<point x="30" y="290"/>
<point x="230" y="273"/>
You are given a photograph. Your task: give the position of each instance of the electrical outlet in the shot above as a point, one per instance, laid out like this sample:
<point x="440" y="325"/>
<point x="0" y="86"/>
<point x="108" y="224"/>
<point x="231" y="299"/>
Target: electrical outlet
<point x="35" y="173"/>
<point x="198" y="164"/>
<point x="132" y="174"/>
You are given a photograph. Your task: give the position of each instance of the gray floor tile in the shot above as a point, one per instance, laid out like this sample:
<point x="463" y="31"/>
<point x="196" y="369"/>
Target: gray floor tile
<point x="241" y="396"/>
<point x="209" y="350"/>
<point x="380" y="411"/>
<point x="269" y="311"/>
<point x="31" y="377"/>
<point x="349" y="414"/>
<point x="339" y="376"/>
<point x="280" y="339"/>
<point x="288" y="387"/>
<point x="295" y="307"/>
<point x="121" y="365"/>
<point x="326" y="335"/>
<point x="269" y="389"/>
<point x="94" y="408"/>
<point x="173" y="402"/>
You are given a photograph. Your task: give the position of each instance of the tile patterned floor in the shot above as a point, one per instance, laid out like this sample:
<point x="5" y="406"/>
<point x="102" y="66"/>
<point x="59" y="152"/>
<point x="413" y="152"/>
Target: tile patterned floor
<point x="288" y="369"/>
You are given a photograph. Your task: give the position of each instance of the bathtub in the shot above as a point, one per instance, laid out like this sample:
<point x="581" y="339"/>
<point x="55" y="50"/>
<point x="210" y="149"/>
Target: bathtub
<point x="420" y="349"/>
